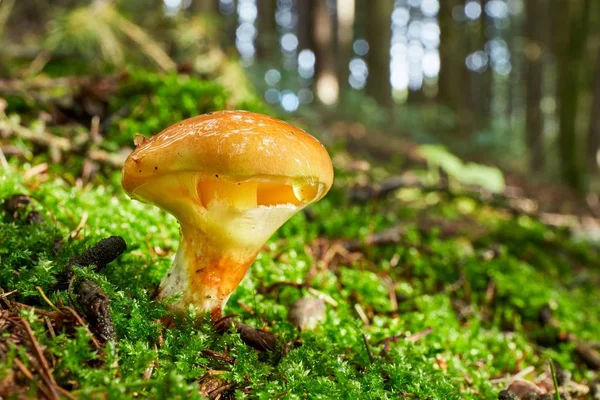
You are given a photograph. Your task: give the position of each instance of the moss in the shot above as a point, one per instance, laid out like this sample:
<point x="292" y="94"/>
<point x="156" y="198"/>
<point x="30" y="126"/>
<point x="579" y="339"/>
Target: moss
<point x="439" y="285"/>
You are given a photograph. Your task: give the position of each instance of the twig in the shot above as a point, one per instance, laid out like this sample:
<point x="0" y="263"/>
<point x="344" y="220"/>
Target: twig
<point x="214" y="354"/>
<point x="50" y="327"/>
<point x="148" y="372"/>
<point x="521" y="374"/>
<point x="388" y="236"/>
<point x="481" y="196"/>
<point x="81" y="322"/>
<point x="323" y="296"/>
<point x="260" y="340"/>
<point x="33" y="171"/>
<point x="361" y="313"/>
<point x="246" y="307"/>
<point x="419" y="335"/>
<point x="272" y="287"/>
<point x="23" y="368"/>
<point x="3" y="295"/>
<point x="38" y="311"/>
<point x="47" y="300"/>
<point x="369" y="353"/>
<point x="29" y="375"/>
<point x="590" y="356"/>
<point x="80" y="226"/>
<point x="43" y="363"/>
<point x="412" y="338"/>
<point x="3" y="160"/>
<point x="95" y="130"/>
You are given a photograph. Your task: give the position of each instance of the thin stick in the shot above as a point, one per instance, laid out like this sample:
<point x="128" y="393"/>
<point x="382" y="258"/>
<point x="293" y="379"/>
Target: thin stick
<point x="324" y="296"/>
<point x="23" y="369"/>
<point x="50" y="327"/>
<point x="361" y="313"/>
<point x="47" y="300"/>
<point x="39" y="354"/>
<point x="3" y="160"/>
<point x="80" y="226"/>
<point x="29" y="375"/>
<point x="82" y="323"/>
<point x="3" y="295"/>
<point x="419" y="335"/>
<point x="95" y="129"/>
<point x="33" y="171"/>
<point x="369" y="353"/>
<point x="519" y="375"/>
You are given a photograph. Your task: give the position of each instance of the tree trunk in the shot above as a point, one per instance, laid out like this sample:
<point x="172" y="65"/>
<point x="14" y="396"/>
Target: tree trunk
<point x="378" y="14"/>
<point x="483" y="100"/>
<point x="573" y="19"/>
<point x="593" y="144"/>
<point x="306" y="24"/>
<point x="346" y="10"/>
<point x="534" y="78"/>
<point x="321" y="39"/>
<point x="454" y="78"/>
<point x="204" y="7"/>
<point x="267" y="30"/>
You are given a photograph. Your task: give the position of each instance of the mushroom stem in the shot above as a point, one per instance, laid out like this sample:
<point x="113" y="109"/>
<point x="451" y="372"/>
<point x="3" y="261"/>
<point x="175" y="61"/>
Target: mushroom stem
<point x="205" y="271"/>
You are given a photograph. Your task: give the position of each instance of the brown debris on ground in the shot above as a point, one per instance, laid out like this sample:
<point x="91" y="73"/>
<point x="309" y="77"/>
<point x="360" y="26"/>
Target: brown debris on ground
<point x="34" y="372"/>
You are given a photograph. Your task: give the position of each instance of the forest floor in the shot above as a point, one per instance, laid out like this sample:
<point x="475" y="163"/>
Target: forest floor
<point x="422" y="286"/>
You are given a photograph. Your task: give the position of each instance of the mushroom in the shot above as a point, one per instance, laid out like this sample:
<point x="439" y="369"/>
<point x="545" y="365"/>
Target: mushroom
<point x="231" y="178"/>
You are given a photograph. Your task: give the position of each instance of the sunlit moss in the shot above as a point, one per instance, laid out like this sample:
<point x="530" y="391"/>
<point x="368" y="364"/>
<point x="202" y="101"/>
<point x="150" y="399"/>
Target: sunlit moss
<point x="458" y="359"/>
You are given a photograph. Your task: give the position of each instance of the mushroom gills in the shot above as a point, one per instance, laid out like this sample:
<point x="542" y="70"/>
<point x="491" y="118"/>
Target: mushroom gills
<point x="253" y="193"/>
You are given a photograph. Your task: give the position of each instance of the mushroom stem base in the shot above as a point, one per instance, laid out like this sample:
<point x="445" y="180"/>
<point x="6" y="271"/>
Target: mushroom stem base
<point x="204" y="273"/>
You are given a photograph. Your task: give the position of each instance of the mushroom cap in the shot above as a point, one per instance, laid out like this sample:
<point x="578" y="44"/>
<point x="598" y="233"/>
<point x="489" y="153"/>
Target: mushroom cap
<point x="236" y="147"/>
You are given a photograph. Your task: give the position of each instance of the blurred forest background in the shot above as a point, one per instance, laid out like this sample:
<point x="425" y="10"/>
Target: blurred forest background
<point x="510" y="82"/>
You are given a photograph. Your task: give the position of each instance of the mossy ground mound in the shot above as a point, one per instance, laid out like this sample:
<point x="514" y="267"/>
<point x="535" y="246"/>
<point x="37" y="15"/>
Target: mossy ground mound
<point x="460" y="296"/>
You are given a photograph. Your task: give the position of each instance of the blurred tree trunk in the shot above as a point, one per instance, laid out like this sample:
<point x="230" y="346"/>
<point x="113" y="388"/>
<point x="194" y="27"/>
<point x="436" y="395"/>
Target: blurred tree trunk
<point x="593" y="144"/>
<point x="514" y="78"/>
<point x="378" y="35"/>
<point x="454" y="80"/>
<point x="416" y="96"/>
<point x="204" y="7"/>
<point x="267" y="29"/>
<point x="534" y="124"/>
<point x="322" y="40"/>
<point x="346" y="10"/>
<point x="483" y="94"/>
<point x="572" y="18"/>
<point x="306" y="24"/>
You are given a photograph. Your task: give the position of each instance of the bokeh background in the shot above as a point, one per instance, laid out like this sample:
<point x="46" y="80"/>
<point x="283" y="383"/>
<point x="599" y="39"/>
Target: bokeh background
<point x="513" y="83"/>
